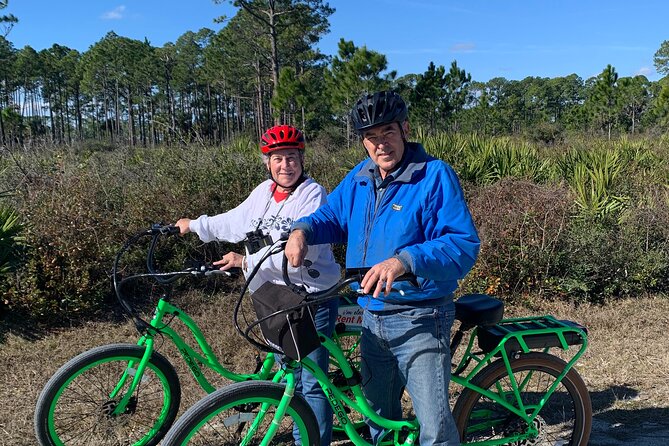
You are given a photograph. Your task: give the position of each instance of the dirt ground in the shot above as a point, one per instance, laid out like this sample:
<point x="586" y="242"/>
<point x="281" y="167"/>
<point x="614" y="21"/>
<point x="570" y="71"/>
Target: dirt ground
<point x="626" y="367"/>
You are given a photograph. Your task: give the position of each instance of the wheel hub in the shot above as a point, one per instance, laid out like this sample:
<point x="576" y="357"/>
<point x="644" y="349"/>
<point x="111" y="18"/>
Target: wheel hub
<point x="518" y="427"/>
<point x="107" y="409"/>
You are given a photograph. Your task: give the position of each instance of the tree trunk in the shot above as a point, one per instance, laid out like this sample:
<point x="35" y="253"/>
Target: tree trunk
<point x="117" y="114"/>
<point x="275" y="51"/>
<point x="77" y="108"/>
<point x="67" y="118"/>
<point x="260" y="109"/>
<point x="152" y="127"/>
<point x="53" y="121"/>
<point x="131" y="119"/>
<point x="2" y="128"/>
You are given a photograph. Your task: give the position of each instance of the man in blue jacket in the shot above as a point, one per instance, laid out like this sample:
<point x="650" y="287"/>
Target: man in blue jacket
<point x="400" y="211"/>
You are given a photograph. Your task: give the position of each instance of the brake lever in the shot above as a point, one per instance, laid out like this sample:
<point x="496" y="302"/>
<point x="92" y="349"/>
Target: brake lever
<point x="361" y="292"/>
<point x="163" y="229"/>
<point x="209" y="269"/>
<point x="218" y="271"/>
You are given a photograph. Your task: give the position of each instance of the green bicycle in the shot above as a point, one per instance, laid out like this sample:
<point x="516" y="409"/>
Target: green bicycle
<point x="514" y="389"/>
<point x="129" y="394"/>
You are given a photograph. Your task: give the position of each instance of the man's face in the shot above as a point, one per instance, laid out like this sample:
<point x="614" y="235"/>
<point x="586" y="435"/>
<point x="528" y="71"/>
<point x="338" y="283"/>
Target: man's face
<point x="285" y="165"/>
<point x="385" y="145"/>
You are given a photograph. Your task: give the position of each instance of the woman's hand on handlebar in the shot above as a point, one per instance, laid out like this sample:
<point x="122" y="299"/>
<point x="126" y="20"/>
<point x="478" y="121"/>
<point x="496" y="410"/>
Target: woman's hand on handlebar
<point x="230" y="260"/>
<point x="184" y="225"/>
<point x="296" y="248"/>
<point x="380" y="277"/>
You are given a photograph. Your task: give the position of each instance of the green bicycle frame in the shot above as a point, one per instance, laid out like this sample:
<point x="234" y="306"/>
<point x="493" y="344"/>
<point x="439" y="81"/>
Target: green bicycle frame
<point x="338" y="399"/>
<point x="193" y="359"/>
<point x="549" y="325"/>
<point x="409" y="428"/>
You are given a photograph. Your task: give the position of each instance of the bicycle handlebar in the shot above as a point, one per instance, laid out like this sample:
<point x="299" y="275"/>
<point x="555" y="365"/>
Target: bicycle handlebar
<point x="310" y="298"/>
<point x="350" y="275"/>
<point x="155" y="232"/>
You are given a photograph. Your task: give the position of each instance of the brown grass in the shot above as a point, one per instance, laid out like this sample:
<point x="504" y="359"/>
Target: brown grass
<point x="626" y="366"/>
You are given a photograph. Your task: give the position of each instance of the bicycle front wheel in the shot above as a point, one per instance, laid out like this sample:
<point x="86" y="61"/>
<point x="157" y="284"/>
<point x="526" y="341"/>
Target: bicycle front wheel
<point x="241" y="413"/>
<point x="77" y="405"/>
<point x="565" y="419"/>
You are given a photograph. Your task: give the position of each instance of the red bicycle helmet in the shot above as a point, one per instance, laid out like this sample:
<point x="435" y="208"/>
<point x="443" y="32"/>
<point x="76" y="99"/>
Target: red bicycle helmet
<point x="281" y="137"/>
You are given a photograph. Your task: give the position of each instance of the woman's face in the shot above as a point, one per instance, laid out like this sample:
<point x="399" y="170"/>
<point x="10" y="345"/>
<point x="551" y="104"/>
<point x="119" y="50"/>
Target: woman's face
<point x="285" y="166"/>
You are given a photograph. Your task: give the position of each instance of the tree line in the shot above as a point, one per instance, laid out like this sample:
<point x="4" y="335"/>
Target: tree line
<point x="264" y="66"/>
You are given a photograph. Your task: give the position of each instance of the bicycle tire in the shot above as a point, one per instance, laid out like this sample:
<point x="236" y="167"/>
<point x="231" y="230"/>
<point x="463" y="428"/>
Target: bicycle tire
<point x="565" y="419"/>
<point x="74" y="406"/>
<point x="225" y="415"/>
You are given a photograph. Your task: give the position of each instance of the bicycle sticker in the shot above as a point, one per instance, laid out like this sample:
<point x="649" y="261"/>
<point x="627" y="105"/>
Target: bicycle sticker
<point x="351" y="315"/>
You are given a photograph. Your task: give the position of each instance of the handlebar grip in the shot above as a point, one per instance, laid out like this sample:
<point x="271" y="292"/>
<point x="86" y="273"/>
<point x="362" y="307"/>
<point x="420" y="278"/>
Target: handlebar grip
<point x="160" y="228"/>
<point x="360" y="272"/>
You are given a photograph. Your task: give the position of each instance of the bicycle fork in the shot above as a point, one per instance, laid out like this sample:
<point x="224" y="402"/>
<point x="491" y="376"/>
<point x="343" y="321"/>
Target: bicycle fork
<point x="134" y="371"/>
<point x="280" y="412"/>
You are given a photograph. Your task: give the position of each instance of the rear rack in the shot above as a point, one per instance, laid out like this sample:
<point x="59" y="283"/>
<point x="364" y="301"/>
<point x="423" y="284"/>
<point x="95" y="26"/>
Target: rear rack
<point x="525" y="334"/>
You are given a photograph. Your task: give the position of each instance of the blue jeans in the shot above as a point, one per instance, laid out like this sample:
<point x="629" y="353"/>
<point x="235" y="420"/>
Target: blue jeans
<point x="307" y="386"/>
<point x="410" y="348"/>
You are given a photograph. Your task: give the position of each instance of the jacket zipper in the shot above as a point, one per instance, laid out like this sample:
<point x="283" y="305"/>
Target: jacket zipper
<point x="377" y="205"/>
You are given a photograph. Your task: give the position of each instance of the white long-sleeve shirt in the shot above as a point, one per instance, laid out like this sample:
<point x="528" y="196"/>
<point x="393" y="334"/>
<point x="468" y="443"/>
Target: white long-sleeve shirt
<point x="260" y="210"/>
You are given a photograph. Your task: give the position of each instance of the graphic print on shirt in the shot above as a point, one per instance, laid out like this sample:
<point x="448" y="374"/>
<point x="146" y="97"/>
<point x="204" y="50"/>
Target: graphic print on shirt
<point x="276" y="223"/>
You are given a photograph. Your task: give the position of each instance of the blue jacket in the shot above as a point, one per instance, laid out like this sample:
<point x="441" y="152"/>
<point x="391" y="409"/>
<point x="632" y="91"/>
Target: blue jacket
<point x="421" y="217"/>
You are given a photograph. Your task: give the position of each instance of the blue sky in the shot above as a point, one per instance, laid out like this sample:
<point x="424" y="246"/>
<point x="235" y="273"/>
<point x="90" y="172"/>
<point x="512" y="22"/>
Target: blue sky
<point x="493" y="38"/>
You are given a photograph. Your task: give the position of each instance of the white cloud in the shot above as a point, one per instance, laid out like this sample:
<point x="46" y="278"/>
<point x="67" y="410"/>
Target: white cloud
<point x="114" y="14"/>
<point x="645" y="71"/>
<point x="463" y="47"/>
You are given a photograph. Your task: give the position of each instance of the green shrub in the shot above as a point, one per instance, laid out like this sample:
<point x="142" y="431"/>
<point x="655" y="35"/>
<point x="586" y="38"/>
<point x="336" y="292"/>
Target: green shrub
<point x="11" y="239"/>
<point x="608" y="259"/>
<point x="521" y="226"/>
<point x="78" y="206"/>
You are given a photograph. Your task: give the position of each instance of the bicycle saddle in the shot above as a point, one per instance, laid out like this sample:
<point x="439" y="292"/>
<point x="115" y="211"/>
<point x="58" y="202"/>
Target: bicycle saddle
<point x="479" y="309"/>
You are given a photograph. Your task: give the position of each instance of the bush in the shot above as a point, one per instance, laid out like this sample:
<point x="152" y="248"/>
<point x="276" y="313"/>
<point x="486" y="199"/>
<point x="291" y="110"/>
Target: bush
<point x="11" y="239"/>
<point x="605" y="260"/>
<point x="534" y="241"/>
<point x="80" y="209"/>
<point x="521" y="226"/>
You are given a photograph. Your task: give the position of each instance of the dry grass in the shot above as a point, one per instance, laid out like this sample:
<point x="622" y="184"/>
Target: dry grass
<point x="626" y="366"/>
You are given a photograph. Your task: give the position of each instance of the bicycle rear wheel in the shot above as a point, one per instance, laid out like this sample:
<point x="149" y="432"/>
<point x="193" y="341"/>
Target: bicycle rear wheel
<point x="242" y="412"/>
<point x="349" y="342"/>
<point x="76" y="406"/>
<point x="565" y="418"/>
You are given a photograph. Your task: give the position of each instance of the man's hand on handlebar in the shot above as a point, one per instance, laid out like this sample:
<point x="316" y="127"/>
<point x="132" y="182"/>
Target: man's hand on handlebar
<point x="230" y="260"/>
<point x="184" y="225"/>
<point x="296" y="248"/>
<point x="381" y="276"/>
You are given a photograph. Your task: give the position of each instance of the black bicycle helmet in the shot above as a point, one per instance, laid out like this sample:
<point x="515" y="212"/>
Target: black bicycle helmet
<point x="383" y="107"/>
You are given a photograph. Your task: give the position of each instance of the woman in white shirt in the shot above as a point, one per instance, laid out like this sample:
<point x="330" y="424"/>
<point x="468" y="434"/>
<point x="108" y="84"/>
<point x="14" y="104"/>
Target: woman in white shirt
<point x="271" y="208"/>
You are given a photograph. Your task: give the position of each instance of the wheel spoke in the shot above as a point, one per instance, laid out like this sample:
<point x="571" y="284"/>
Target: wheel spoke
<point x="563" y="419"/>
<point x="75" y="407"/>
